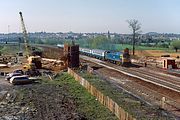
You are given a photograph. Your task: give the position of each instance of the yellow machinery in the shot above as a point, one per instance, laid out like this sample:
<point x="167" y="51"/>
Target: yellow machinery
<point x="36" y="60"/>
<point x="33" y="61"/>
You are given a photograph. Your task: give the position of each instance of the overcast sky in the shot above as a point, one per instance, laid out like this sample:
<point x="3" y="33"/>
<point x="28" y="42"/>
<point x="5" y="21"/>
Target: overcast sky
<point x="90" y="15"/>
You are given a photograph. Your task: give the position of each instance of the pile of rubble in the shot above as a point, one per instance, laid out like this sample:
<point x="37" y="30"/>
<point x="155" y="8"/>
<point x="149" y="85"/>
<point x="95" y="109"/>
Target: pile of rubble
<point x="8" y="59"/>
<point x="10" y="109"/>
<point x="55" y="65"/>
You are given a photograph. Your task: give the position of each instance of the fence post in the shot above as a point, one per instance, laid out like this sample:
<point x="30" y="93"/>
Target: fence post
<point x="116" y="111"/>
<point x="163" y="102"/>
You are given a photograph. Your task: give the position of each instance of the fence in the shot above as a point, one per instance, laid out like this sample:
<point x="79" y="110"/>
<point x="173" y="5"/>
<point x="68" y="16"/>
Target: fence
<point x="105" y="100"/>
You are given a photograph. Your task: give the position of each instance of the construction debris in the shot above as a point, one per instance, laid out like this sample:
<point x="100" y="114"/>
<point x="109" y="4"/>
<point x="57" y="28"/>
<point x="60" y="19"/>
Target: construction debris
<point x="3" y="66"/>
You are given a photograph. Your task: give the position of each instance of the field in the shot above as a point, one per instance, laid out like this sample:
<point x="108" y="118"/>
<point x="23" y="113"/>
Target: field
<point x="6" y="49"/>
<point x="155" y="53"/>
<point x="143" y="51"/>
<point x="123" y="46"/>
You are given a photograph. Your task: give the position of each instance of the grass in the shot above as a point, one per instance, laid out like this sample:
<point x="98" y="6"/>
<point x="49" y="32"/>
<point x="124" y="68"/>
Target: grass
<point x="123" y="46"/>
<point x="86" y="103"/>
<point x="6" y="49"/>
<point x="130" y="104"/>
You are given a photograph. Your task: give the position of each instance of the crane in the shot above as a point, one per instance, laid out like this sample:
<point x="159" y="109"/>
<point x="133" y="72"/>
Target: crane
<point x="25" y="35"/>
<point x="33" y="60"/>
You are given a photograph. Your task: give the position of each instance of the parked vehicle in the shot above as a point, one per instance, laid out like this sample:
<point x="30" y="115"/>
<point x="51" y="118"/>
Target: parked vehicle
<point x="10" y="75"/>
<point x="23" y="79"/>
<point x="19" y="71"/>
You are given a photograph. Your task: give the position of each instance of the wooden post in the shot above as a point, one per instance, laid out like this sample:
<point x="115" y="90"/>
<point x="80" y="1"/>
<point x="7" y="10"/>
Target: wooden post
<point x="163" y="102"/>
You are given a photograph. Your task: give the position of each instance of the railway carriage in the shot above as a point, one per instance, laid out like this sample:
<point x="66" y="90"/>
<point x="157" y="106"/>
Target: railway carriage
<point x="86" y="51"/>
<point x="80" y="50"/>
<point x="100" y="54"/>
<point x="60" y="45"/>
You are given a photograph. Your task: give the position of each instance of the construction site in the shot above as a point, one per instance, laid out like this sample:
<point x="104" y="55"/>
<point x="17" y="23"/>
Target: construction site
<point x="69" y="82"/>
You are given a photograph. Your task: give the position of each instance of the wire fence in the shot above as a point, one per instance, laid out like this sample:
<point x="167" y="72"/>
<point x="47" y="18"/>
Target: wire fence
<point x="105" y="100"/>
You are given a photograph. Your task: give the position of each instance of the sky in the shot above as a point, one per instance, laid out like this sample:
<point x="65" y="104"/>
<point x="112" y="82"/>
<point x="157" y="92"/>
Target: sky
<point x="90" y="15"/>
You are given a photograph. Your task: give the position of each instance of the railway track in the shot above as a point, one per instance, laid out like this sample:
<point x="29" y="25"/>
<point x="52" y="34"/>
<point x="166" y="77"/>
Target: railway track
<point x="145" y="76"/>
<point x="157" y="80"/>
<point x="142" y="88"/>
<point x="165" y="77"/>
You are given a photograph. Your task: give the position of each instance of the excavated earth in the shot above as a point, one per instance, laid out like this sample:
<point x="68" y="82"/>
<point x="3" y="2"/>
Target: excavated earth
<point x="37" y="102"/>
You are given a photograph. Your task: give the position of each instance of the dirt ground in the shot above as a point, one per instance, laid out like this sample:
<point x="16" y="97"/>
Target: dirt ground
<point x="38" y="102"/>
<point x="4" y="84"/>
<point x="155" y="53"/>
<point x="59" y="99"/>
<point x="153" y="57"/>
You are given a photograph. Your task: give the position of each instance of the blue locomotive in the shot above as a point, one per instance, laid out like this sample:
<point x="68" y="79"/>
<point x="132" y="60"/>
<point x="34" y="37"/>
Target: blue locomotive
<point x="115" y="57"/>
<point x="119" y="58"/>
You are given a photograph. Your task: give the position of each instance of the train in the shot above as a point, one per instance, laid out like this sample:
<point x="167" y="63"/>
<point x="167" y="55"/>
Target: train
<point x="116" y="57"/>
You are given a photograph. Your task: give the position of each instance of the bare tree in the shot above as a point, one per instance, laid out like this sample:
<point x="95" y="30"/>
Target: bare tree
<point x="135" y="26"/>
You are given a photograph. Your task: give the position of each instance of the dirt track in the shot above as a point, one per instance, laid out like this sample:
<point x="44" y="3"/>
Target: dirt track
<point x="4" y="85"/>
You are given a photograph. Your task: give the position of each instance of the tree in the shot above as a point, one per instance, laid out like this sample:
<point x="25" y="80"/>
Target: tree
<point x="100" y="42"/>
<point x="135" y="26"/>
<point x="176" y="45"/>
